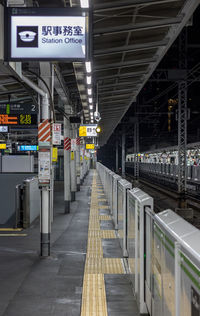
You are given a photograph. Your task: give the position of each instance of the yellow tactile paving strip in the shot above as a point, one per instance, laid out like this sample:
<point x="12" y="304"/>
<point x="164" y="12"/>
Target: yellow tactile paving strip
<point x="94" y="294"/>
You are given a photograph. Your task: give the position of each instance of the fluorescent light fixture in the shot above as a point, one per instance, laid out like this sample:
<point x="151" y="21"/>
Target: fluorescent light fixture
<point x="91" y="107"/>
<point x="90" y="100"/>
<point x="88" y="66"/>
<point x="89" y="91"/>
<point x="84" y="3"/>
<point x="89" y="79"/>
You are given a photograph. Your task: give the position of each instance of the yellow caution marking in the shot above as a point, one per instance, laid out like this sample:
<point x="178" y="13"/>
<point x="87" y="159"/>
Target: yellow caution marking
<point x="106" y="234"/>
<point x="105" y="218"/>
<point x="11" y="229"/>
<point x="113" y="266"/>
<point x="94" y="296"/>
<point x="13" y="235"/>
<point x="103" y="207"/>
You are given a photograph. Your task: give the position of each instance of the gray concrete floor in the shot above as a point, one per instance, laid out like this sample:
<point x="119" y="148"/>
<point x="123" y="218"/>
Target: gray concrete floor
<point x="53" y="286"/>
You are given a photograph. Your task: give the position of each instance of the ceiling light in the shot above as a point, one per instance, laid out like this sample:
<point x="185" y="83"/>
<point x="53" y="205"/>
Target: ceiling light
<point x="84" y="3"/>
<point x="89" y="91"/>
<point x="89" y="79"/>
<point x="90" y="100"/>
<point x="91" y="107"/>
<point x="88" y="66"/>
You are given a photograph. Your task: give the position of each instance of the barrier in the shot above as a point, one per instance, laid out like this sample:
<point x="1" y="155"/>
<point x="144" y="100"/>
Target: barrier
<point x="31" y="201"/>
<point x="137" y="244"/>
<point x="121" y="210"/>
<point x="163" y="251"/>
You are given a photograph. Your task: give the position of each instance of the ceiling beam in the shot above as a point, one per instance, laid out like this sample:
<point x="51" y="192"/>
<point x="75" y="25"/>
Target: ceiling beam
<point x="125" y="64"/>
<point x="132" y="27"/>
<point x="118" y="5"/>
<point x="115" y="96"/>
<point x="129" y="48"/>
<point x="127" y="84"/>
<point x="116" y="91"/>
<point x="125" y="75"/>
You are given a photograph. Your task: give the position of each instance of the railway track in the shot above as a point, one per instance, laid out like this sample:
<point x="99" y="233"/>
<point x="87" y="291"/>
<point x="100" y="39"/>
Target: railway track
<point x="167" y="198"/>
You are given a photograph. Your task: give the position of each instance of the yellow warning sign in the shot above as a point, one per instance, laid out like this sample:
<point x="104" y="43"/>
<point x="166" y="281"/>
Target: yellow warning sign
<point x="72" y="155"/>
<point x="90" y="146"/>
<point x="55" y="154"/>
<point x="2" y="146"/>
<point x="83" y="131"/>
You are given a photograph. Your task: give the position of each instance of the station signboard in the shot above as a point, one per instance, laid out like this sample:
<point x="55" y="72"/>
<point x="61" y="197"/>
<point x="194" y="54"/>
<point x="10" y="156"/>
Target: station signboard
<point x="18" y="119"/>
<point x="88" y="130"/>
<point x="46" y="34"/>
<point x="18" y="108"/>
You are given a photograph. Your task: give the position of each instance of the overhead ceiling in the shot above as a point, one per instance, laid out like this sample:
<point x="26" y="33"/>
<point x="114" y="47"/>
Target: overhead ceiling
<point x="130" y="37"/>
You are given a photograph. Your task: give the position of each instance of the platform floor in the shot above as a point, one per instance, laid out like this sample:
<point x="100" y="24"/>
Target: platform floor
<point x="85" y="274"/>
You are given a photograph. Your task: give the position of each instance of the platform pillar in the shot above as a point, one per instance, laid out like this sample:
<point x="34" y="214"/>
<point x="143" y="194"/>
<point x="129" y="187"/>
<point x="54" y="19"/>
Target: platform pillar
<point x="78" y="162"/>
<point x="67" y="159"/>
<point x="73" y="167"/>
<point x="123" y="151"/>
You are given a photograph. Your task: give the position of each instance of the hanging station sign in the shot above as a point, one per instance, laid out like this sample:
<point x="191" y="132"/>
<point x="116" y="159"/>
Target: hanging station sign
<point x="88" y="130"/>
<point x="46" y="34"/>
<point x="18" y="108"/>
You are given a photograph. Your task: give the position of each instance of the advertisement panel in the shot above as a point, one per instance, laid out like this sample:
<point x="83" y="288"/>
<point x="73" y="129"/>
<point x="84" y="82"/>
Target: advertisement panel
<point x="46" y="34"/>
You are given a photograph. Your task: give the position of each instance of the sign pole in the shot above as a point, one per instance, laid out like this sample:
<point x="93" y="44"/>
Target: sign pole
<point x="45" y="196"/>
<point x="67" y="158"/>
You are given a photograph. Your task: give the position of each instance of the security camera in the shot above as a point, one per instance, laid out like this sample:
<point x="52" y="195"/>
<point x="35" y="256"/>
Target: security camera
<point x="97" y="116"/>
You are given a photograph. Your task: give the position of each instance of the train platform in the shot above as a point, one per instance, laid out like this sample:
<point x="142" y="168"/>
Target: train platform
<point x="85" y="274"/>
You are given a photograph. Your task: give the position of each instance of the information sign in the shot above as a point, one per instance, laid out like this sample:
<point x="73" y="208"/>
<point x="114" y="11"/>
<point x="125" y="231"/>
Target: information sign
<point x="18" y="108"/>
<point x="44" y="165"/>
<point x="73" y="144"/>
<point x="46" y="34"/>
<point x="90" y="146"/>
<point x="3" y="129"/>
<point x="2" y="146"/>
<point x="88" y="130"/>
<point x="28" y="148"/>
<point x="56" y="134"/>
<point x="19" y="120"/>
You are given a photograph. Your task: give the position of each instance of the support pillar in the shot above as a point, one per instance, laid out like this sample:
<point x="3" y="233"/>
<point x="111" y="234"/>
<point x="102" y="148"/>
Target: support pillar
<point x="123" y="151"/>
<point x="78" y="162"/>
<point x="182" y="120"/>
<point x="117" y="154"/>
<point x="73" y="168"/>
<point x="67" y="159"/>
<point x="45" y="144"/>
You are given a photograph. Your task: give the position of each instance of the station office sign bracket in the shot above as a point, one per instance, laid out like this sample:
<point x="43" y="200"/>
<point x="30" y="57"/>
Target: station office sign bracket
<point x="46" y="34"/>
